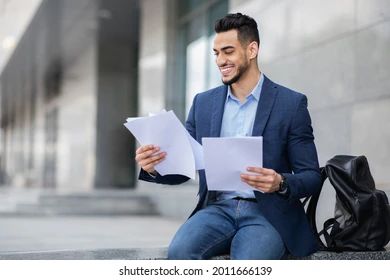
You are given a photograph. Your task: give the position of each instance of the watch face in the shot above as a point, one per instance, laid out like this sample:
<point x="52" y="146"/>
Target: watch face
<point x="284" y="189"/>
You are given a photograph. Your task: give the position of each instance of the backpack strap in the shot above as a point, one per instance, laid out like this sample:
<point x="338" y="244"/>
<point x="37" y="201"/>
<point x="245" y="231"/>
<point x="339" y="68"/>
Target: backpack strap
<point x="333" y="224"/>
<point x="328" y="224"/>
<point x="311" y="210"/>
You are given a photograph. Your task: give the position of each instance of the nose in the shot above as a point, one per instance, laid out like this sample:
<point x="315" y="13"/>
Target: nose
<point x="220" y="60"/>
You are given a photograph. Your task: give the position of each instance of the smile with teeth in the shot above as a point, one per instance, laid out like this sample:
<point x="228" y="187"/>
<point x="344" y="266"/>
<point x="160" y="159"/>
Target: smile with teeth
<point x="225" y="70"/>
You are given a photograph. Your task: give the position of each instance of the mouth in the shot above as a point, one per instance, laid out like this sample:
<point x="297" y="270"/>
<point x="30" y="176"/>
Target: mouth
<point x="226" y="70"/>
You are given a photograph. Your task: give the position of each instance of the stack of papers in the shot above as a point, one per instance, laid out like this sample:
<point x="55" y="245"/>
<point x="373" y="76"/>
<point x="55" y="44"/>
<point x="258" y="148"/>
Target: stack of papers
<point x="184" y="153"/>
<point x="223" y="159"/>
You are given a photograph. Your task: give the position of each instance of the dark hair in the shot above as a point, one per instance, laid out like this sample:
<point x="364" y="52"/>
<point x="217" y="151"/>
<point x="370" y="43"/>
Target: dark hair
<point x="245" y="25"/>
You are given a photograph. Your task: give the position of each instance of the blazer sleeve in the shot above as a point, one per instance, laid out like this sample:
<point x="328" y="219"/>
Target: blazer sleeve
<point x="190" y="123"/>
<point x="173" y="179"/>
<point x="306" y="177"/>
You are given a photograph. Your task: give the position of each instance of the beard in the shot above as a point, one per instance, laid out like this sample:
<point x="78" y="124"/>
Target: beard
<point x="240" y="71"/>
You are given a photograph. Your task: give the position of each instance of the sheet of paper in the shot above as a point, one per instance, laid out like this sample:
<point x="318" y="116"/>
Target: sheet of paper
<point x="166" y="131"/>
<point x="197" y="148"/>
<point x="226" y="158"/>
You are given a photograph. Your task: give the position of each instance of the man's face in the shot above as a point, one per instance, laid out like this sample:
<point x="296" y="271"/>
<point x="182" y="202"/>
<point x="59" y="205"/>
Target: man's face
<point x="230" y="56"/>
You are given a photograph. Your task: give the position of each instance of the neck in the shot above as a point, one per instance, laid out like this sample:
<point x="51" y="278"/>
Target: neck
<point x="246" y="84"/>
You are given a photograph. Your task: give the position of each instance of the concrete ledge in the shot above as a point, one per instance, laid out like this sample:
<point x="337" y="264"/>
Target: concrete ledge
<point x="94" y="203"/>
<point x="161" y="254"/>
<point x="323" y="255"/>
<point x="98" y="254"/>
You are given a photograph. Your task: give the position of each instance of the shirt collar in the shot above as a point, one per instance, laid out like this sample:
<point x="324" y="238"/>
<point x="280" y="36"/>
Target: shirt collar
<point x="255" y="92"/>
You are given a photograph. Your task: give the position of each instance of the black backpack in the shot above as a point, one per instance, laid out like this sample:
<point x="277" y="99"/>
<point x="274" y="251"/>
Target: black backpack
<point x="362" y="213"/>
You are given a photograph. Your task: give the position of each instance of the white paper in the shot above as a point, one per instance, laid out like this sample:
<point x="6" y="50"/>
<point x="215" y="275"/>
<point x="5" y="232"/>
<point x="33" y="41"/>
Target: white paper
<point x="197" y="150"/>
<point x="166" y="131"/>
<point x="226" y="158"/>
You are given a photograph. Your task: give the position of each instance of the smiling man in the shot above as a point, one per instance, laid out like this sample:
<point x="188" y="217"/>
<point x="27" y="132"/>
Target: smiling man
<point x="269" y="221"/>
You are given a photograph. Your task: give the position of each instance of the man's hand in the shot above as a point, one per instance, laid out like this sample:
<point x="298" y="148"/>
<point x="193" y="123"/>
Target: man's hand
<point x="265" y="180"/>
<point x="148" y="156"/>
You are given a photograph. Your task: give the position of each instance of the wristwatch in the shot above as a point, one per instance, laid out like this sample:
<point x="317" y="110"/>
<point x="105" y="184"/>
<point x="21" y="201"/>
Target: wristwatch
<point x="283" y="186"/>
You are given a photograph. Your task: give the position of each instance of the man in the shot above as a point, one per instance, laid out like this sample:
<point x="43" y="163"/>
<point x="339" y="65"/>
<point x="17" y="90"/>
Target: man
<point x="270" y="221"/>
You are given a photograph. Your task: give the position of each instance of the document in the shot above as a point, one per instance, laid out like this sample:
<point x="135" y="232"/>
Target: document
<point x="184" y="154"/>
<point x="197" y="148"/>
<point x="226" y="158"/>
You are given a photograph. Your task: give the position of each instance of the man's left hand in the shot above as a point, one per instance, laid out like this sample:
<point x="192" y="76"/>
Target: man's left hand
<point x="265" y="180"/>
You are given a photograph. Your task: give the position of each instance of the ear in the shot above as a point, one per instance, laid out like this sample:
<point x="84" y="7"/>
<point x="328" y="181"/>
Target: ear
<point x="252" y="50"/>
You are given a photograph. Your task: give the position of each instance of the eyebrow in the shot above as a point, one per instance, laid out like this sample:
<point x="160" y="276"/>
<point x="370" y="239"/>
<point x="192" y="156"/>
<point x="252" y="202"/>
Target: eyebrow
<point x="224" y="48"/>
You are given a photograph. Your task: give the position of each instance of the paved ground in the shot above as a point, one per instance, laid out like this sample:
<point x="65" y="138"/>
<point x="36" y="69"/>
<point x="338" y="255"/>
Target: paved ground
<point x="84" y="232"/>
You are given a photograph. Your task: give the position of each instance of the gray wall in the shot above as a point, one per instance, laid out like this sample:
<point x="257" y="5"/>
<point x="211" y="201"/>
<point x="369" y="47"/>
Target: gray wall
<point x="336" y="52"/>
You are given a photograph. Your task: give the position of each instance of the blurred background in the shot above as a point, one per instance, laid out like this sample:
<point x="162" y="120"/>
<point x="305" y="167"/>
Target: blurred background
<point x="72" y="71"/>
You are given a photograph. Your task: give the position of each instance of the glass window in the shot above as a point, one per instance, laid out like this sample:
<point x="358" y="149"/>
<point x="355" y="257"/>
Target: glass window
<point x="197" y="28"/>
<point x="187" y="6"/>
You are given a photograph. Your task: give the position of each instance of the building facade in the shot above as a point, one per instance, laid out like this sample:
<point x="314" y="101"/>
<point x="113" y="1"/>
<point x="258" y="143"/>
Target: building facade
<point x="65" y="93"/>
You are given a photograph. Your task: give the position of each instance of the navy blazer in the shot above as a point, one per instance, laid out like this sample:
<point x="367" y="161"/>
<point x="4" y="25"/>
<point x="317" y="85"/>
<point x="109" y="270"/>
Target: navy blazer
<point x="284" y="122"/>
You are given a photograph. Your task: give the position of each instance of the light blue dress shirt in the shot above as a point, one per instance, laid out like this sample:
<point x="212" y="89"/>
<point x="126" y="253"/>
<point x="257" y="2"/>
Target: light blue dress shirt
<point x="238" y="119"/>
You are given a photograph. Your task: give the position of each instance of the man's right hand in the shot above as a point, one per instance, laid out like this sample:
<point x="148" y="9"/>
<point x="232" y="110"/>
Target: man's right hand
<point x="148" y="156"/>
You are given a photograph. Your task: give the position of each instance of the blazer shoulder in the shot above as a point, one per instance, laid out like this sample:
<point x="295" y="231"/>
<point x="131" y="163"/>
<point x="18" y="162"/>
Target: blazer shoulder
<point x="211" y="92"/>
<point x="286" y="92"/>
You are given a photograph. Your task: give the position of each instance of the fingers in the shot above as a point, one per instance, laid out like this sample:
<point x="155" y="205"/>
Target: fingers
<point x="145" y="152"/>
<point x="265" y="180"/>
<point x="258" y="178"/>
<point x="149" y="167"/>
<point x="260" y="186"/>
<point x="152" y="159"/>
<point x="261" y="170"/>
<point x="145" y="148"/>
<point x="148" y="157"/>
<point x="263" y="187"/>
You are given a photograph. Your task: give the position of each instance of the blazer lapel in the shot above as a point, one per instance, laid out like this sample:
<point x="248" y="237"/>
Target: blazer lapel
<point x="266" y="102"/>
<point x="218" y="106"/>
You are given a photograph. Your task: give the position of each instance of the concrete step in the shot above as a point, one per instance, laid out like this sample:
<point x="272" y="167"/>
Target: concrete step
<point x="323" y="255"/>
<point x="115" y="202"/>
<point x="98" y="254"/>
<point x="161" y="254"/>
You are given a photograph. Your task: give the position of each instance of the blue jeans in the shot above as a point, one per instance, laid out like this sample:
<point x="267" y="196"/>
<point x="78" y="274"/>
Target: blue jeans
<point x="227" y="226"/>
